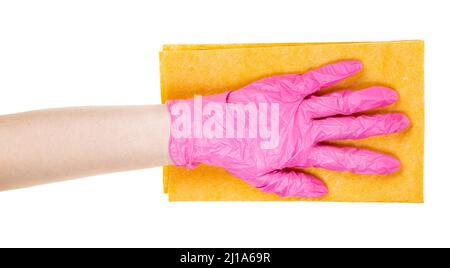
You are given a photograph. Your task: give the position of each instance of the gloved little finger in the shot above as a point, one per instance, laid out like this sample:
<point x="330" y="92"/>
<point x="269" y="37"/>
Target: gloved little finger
<point x="327" y="75"/>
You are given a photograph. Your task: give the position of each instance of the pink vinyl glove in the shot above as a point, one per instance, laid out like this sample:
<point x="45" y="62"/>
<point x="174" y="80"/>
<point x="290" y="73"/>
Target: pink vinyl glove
<point x="261" y="132"/>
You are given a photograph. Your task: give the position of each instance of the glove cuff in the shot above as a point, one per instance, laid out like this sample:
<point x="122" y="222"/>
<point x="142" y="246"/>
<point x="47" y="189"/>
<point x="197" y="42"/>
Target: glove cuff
<point x="187" y="146"/>
<point x="181" y="149"/>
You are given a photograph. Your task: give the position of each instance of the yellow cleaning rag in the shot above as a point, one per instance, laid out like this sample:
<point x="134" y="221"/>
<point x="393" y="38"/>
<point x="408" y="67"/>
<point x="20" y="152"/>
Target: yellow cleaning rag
<point x="209" y="69"/>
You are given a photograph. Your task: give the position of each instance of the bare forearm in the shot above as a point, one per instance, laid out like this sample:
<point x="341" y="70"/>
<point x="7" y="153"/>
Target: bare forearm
<point x="56" y="144"/>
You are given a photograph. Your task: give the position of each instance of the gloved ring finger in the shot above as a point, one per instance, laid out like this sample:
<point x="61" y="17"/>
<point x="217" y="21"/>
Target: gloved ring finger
<point x="347" y="102"/>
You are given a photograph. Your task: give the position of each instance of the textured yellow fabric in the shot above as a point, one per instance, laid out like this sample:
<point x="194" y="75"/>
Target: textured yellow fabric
<point x="208" y="69"/>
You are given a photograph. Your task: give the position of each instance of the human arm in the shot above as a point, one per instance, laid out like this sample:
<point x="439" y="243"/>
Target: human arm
<point x="50" y="145"/>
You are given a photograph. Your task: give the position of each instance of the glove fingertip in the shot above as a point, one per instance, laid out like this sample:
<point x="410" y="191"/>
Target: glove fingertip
<point x="355" y="65"/>
<point x="397" y="122"/>
<point x="345" y="68"/>
<point x="331" y="74"/>
<point x="315" y="191"/>
<point x="310" y="187"/>
<point x="387" y="164"/>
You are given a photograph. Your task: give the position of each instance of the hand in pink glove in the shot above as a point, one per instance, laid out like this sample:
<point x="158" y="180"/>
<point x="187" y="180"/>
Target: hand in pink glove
<point x="262" y="131"/>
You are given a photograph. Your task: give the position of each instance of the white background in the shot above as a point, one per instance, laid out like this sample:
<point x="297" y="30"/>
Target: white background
<point x="71" y="53"/>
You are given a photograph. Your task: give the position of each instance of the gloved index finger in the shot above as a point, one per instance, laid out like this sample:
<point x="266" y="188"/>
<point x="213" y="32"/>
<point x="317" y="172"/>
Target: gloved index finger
<point x="327" y="75"/>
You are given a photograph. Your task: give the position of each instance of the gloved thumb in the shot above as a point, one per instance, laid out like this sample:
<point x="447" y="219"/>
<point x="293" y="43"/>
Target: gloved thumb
<point x="288" y="182"/>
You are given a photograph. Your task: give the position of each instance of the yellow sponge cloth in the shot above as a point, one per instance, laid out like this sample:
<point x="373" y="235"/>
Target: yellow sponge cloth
<point x="208" y="69"/>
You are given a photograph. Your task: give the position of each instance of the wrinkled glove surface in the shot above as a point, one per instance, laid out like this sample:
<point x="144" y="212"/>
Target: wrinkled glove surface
<point x="302" y="122"/>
